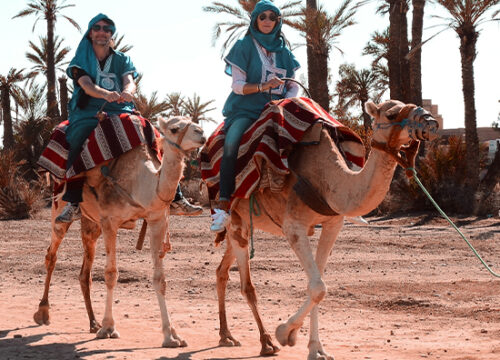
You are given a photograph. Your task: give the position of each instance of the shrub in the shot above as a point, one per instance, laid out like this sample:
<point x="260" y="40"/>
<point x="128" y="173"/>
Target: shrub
<point x="19" y="199"/>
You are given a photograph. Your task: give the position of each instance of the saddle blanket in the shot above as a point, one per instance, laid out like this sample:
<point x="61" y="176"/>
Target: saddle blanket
<point x="281" y="124"/>
<point x="112" y="137"/>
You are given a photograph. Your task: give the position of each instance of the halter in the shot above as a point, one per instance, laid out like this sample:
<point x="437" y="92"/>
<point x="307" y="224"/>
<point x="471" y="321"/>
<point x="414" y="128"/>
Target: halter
<point x="392" y="148"/>
<point x="177" y="145"/>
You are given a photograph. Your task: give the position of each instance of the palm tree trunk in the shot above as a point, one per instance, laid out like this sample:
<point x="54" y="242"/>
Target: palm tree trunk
<point x="63" y="97"/>
<point x="52" y="109"/>
<point x="395" y="87"/>
<point x="416" y="60"/>
<point x="8" y="134"/>
<point x="403" y="52"/>
<point x="468" y="37"/>
<point x="317" y="59"/>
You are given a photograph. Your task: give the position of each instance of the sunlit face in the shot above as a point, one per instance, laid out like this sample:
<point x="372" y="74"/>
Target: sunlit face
<point x="266" y="21"/>
<point x="102" y="36"/>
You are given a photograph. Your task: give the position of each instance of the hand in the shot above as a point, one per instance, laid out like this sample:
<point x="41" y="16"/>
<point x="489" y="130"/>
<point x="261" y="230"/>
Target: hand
<point x="125" y="96"/>
<point x="272" y="83"/>
<point x="112" y="96"/>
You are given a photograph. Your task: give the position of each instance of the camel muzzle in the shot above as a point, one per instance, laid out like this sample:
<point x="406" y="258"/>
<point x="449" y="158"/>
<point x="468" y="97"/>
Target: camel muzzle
<point x="422" y="125"/>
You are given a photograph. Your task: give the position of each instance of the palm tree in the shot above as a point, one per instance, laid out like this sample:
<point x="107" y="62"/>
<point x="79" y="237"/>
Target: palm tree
<point x="356" y="87"/>
<point x="416" y="58"/>
<point x="9" y="88"/>
<point x="152" y="107"/>
<point x="399" y="81"/>
<point x="49" y="11"/>
<point x="39" y="56"/>
<point x="175" y="104"/>
<point x="322" y="31"/>
<point x="32" y="129"/>
<point x="465" y="18"/>
<point x="241" y="12"/>
<point x="117" y="43"/>
<point x="378" y="46"/>
<point x="197" y="110"/>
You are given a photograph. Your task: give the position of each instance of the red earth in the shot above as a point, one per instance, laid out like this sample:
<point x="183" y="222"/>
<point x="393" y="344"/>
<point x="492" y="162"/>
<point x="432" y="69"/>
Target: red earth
<point x="402" y="288"/>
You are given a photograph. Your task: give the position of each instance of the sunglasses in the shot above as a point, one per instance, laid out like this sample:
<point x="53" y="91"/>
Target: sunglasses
<point x="272" y="16"/>
<point x="105" y="28"/>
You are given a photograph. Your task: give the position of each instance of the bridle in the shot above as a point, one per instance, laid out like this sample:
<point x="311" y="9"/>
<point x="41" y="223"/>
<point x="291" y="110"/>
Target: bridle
<point x="177" y="145"/>
<point x="392" y="147"/>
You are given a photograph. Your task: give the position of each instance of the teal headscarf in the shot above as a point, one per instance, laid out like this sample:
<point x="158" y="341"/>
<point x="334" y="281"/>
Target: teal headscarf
<point x="274" y="40"/>
<point x="84" y="56"/>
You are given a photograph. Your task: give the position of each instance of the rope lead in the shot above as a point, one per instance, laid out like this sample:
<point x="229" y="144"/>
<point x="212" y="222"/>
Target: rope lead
<point x="451" y="222"/>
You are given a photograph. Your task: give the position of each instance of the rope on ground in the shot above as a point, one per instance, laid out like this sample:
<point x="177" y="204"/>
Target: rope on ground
<point x="254" y="208"/>
<point x="451" y="222"/>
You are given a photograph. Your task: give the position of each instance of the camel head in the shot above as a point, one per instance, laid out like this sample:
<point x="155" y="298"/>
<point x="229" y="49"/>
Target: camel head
<point x="397" y="123"/>
<point x="181" y="133"/>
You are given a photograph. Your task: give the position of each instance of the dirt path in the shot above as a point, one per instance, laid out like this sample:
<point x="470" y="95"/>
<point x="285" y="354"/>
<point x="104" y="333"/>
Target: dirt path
<point x="396" y="290"/>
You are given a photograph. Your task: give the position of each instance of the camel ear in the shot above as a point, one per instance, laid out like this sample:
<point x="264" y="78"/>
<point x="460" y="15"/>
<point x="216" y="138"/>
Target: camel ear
<point x="372" y="109"/>
<point x="163" y="124"/>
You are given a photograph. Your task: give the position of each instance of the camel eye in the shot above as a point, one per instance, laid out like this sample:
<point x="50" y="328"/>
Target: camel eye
<point x="392" y="117"/>
<point x="174" y="130"/>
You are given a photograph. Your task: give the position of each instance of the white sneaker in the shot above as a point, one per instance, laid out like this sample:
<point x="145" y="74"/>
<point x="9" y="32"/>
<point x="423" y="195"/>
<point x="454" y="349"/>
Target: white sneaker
<point x="357" y="220"/>
<point x="220" y="220"/>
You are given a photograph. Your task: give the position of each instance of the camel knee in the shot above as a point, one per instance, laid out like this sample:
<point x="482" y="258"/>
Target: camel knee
<point x="248" y="291"/>
<point x="159" y="282"/>
<point x="317" y="291"/>
<point x="111" y="277"/>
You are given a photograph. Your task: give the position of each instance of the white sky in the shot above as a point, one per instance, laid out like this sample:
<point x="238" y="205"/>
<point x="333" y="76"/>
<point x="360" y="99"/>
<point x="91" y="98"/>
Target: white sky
<point x="173" y="49"/>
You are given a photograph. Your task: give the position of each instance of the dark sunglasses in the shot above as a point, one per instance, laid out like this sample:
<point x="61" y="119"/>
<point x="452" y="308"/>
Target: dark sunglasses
<point x="105" y="28"/>
<point x="272" y="17"/>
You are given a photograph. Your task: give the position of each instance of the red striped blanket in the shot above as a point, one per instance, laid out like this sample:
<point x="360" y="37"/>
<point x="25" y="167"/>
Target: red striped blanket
<point x="281" y="124"/>
<point x="112" y="137"/>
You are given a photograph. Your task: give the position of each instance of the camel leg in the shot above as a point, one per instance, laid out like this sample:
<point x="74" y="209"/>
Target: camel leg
<point x="226" y="339"/>
<point x="240" y="250"/>
<point x="327" y="239"/>
<point x="90" y="232"/>
<point x="286" y="333"/>
<point x="110" y="277"/>
<point x="57" y="234"/>
<point x="158" y="234"/>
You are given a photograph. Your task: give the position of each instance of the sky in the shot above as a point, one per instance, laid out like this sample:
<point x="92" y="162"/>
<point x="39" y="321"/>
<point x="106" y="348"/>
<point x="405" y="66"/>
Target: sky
<point x="173" y="48"/>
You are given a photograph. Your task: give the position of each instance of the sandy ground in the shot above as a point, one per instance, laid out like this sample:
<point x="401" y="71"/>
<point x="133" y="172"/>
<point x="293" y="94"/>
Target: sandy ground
<point x="402" y="288"/>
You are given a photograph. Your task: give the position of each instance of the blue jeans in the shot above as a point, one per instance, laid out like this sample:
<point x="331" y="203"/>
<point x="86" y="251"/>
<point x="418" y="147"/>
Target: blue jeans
<point x="228" y="163"/>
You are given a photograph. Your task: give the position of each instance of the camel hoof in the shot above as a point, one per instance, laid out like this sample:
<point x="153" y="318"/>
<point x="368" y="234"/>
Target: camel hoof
<point x="104" y="333"/>
<point x="174" y="343"/>
<point x="269" y="349"/>
<point x="94" y="327"/>
<point x="42" y="317"/>
<point x="319" y="355"/>
<point x="229" y="342"/>
<point x="286" y="336"/>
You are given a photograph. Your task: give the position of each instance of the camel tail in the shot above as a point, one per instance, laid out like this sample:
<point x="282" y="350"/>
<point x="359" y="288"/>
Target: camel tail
<point x="219" y="238"/>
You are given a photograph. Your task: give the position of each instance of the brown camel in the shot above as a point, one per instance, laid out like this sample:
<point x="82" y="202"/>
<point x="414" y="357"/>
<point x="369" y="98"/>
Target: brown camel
<point x="346" y="192"/>
<point x="138" y="186"/>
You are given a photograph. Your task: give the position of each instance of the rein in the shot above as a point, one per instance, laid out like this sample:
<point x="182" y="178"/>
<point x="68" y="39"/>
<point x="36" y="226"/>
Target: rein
<point x="177" y="145"/>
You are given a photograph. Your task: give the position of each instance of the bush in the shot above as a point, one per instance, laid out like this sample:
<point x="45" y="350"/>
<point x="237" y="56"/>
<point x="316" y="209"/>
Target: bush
<point x="442" y="172"/>
<point x="19" y="199"/>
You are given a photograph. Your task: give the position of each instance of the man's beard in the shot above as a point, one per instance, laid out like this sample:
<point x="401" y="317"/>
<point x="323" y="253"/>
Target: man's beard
<point x="101" y="42"/>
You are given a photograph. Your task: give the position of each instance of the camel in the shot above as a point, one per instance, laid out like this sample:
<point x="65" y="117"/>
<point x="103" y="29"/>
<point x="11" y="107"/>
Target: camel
<point x="138" y="186"/>
<point x="346" y="192"/>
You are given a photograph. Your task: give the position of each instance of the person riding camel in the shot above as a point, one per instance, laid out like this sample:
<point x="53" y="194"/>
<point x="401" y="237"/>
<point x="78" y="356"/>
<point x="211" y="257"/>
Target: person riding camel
<point x="102" y="78"/>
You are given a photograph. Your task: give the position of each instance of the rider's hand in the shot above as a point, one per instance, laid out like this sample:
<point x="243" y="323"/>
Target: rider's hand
<point x="272" y="83"/>
<point x="112" y="96"/>
<point x="125" y="96"/>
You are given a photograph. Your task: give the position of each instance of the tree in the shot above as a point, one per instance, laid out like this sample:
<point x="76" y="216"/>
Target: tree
<point x="152" y="107"/>
<point x="241" y="13"/>
<point x="321" y="32"/>
<point x="465" y="18"/>
<point x="378" y="46"/>
<point x="198" y="110"/>
<point x="39" y="56"/>
<point x="399" y="81"/>
<point x="356" y="87"/>
<point x="9" y="88"/>
<point x="416" y="58"/>
<point x="175" y="104"/>
<point x="49" y="11"/>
